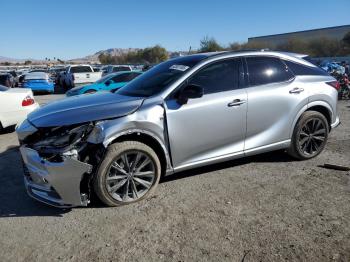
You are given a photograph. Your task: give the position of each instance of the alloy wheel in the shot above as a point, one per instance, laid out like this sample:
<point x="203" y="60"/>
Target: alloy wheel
<point x="312" y="137"/>
<point x="130" y="176"/>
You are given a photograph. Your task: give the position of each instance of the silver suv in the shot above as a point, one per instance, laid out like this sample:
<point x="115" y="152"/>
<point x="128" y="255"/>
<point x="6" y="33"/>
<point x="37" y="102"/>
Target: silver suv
<point x="184" y="113"/>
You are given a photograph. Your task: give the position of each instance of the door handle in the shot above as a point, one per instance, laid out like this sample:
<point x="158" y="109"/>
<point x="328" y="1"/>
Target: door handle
<point x="236" y="102"/>
<point x="296" y="90"/>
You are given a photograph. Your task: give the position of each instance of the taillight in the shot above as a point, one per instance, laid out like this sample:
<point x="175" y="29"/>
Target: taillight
<point x="334" y="84"/>
<point x="28" y="101"/>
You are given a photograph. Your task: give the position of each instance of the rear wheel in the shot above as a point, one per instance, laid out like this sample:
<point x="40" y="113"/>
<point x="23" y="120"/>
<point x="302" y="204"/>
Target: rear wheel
<point x="309" y="136"/>
<point x="129" y="173"/>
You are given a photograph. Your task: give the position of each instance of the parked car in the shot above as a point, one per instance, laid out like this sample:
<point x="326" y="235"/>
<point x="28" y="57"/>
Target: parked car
<point x="79" y="74"/>
<point x="16" y="104"/>
<point x="16" y="76"/>
<point x="6" y="79"/>
<point x="187" y="112"/>
<point x="115" y="68"/>
<point x="39" y="82"/>
<point x="111" y="83"/>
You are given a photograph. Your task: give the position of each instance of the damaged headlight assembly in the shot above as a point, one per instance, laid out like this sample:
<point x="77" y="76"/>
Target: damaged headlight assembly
<point x="64" y="139"/>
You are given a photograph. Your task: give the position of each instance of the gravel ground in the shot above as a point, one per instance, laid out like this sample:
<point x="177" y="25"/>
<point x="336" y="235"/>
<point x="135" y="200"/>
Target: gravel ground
<point x="262" y="208"/>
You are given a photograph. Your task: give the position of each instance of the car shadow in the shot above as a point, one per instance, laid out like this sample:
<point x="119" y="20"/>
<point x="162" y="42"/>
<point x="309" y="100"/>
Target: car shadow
<point x="16" y="203"/>
<point x="13" y="198"/>
<point x="275" y="156"/>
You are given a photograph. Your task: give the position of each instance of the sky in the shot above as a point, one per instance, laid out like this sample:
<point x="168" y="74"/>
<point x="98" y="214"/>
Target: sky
<point x="76" y="28"/>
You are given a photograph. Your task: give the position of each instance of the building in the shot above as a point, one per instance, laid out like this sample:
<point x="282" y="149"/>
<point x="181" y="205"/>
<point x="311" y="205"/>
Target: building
<point x="336" y="32"/>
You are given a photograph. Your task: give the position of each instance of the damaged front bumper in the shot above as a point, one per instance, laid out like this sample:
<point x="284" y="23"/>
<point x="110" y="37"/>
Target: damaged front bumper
<point x="54" y="183"/>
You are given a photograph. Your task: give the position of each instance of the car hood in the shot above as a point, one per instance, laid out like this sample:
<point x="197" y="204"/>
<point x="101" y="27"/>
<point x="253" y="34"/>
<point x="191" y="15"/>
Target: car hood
<point x="84" y="108"/>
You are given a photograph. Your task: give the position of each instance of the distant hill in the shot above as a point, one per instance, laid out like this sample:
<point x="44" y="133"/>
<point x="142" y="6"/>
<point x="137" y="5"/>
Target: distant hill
<point x="16" y="60"/>
<point x="90" y="58"/>
<point x="117" y="52"/>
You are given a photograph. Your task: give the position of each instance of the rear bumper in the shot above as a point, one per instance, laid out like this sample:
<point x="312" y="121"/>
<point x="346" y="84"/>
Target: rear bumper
<point x="55" y="184"/>
<point x="40" y="87"/>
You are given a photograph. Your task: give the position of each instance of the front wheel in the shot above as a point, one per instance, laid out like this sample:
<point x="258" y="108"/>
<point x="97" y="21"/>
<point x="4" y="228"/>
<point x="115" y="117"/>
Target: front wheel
<point x="309" y="136"/>
<point x="129" y="173"/>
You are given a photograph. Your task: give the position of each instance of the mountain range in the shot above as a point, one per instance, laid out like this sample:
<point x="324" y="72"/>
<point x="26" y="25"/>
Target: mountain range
<point x="89" y="58"/>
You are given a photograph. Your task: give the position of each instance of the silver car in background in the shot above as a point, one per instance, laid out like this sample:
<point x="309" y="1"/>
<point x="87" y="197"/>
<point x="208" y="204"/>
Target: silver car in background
<point x="184" y="113"/>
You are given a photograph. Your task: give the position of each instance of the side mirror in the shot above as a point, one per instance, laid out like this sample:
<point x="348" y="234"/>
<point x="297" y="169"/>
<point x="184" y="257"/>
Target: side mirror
<point x="190" y="92"/>
<point x="107" y="83"/>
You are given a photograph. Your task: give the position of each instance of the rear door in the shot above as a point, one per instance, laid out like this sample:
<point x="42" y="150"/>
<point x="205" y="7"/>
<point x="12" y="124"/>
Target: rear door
<point x="274" y="99"/>
<point x="214" y="125"/>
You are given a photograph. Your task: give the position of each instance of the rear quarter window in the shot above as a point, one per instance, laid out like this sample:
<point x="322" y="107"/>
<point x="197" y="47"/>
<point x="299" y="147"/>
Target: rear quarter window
<point x="300" y="69"/>
<point x="80" y="69"/>
<point x="267" y="70"/>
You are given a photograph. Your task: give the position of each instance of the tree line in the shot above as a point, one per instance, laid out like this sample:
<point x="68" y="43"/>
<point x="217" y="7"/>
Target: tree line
<point x="317" y="47"/>
<point x="149" y="55"/>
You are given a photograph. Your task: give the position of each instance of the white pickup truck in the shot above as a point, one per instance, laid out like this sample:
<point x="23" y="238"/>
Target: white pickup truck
<point x="79" y="74"/>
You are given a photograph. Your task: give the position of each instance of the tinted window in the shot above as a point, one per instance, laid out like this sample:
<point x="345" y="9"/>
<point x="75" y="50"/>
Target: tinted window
<point x="80" y="69"/>
<point x="121" y="78"/>
<point x="266" y="70"/>
<point x="299" y="69"/>
<point x="121" y="68"/>
<point x="219" y="76"/>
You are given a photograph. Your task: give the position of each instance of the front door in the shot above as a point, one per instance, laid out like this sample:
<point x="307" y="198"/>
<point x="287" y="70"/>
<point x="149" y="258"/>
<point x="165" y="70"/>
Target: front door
<point x="213" y="125"/>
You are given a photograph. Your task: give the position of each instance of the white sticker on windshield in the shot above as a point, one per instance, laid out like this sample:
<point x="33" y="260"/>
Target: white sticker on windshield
<point x="179" y="67"/>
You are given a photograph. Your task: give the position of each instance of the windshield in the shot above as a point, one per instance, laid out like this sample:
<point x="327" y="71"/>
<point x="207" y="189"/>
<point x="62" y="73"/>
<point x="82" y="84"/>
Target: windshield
<point x="159" y="77"/>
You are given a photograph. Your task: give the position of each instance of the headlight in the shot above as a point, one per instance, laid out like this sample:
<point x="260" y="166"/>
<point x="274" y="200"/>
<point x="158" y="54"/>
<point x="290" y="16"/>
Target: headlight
<point x="64" y="138"/>
<point x="97" y="134"/>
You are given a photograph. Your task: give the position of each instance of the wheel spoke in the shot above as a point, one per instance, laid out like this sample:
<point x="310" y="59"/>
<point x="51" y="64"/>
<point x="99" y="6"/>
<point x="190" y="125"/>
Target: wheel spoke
<point x="116" y="166"/>
<point x="302" y="133"/>
<point x="116" y="177"/>
<point x="143" y="164"/>
<point x="126" y="190"/>
<point x="306" y="146"/>
<point x="134" y="189"/>
<point x="117" y="186"/>
<point x="144" y="174"/>
<point x="143" y="182"/>
<point x="319" y="132"/>
<point x="319" y="138"/>
<point x="302" y="141"/>
<point x="125" y="160"/>
<point x="314" y="144"/>
<point x="136" y="161"/>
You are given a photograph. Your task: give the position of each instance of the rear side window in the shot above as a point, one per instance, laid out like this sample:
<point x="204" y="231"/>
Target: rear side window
<point x="121" y="68"/>
<point x="299" y="69"/>
<point x="267" y="70"/>
<point x="123" y="78"/>
<point x="80" y="69"/>
<point x="220" y="76"/>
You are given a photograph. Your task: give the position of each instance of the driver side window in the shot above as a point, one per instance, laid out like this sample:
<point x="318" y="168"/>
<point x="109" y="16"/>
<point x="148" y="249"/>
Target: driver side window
<point x="219" y="76"/>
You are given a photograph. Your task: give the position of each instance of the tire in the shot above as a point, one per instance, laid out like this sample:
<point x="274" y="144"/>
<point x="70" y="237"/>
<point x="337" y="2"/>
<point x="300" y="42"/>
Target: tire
<point x="110" y="168"/>
<point x="90" y="91"/>
<point x="309" y="136"/>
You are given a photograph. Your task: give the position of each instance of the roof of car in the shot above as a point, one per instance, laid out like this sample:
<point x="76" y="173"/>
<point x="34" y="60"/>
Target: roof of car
<point x="254" y="52"/>
<point x="36" y="75"/>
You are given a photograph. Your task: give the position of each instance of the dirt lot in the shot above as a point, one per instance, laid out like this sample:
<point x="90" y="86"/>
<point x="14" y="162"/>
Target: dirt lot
<point x="262" y="208"/>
